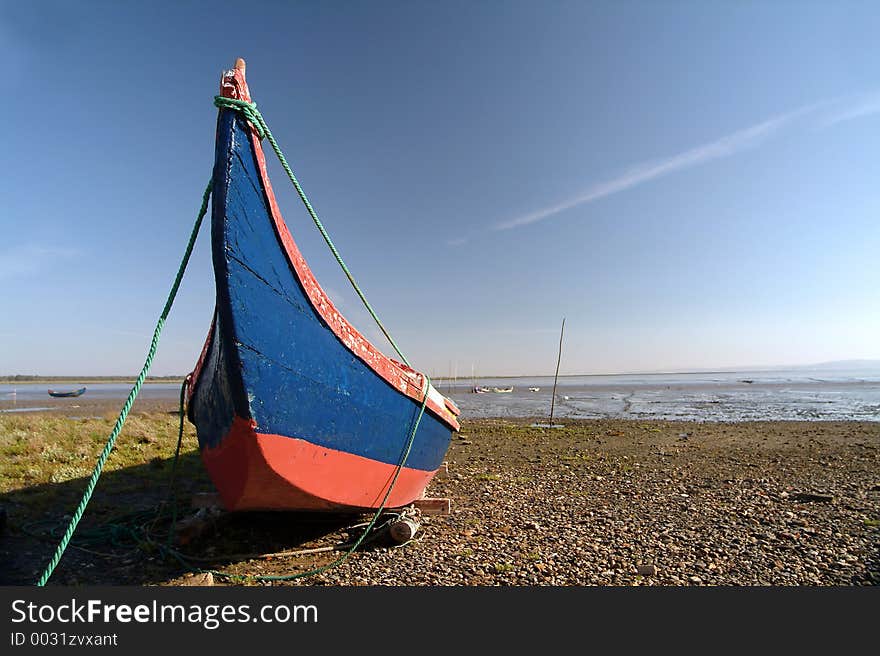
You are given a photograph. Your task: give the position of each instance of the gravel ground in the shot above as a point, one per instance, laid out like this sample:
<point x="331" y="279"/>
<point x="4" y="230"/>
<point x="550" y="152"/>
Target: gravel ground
<point x="595" y="503"/>
<point x="622" y="503"/>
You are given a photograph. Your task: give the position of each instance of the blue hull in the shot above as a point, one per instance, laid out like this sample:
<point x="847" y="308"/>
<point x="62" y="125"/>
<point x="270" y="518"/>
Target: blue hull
<point x="272" y="360"/>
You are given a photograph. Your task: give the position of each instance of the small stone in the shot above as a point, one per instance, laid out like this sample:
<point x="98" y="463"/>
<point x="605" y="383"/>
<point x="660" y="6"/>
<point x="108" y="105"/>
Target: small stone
<point x="647" y="570"/>
<point x="809" y="496"/>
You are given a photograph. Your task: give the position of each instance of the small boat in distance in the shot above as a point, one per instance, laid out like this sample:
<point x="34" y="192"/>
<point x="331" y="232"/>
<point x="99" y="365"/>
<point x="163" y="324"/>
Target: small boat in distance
<point x="477" y="389"/>
<point x="534" y="389"/>
<point x="503" y="390"/>
<point x="78" y="392"/>
<point x="294" y="408"/>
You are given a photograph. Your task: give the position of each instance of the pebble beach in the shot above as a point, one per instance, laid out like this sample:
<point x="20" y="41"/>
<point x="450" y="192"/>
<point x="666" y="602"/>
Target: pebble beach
<point x="604" y="502"/>
<point x="621" y="503"/>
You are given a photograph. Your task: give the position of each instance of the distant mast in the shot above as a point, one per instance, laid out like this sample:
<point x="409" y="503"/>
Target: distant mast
<point x="558" y="360"/>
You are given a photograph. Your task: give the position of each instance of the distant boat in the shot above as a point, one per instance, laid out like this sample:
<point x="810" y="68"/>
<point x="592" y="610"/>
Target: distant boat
<point x="477" y="389"/>
<point x="503" y="390"/>
<point x="78" y="392"/>
<point x="294" y="409"/>
<point x="534" y="389"/>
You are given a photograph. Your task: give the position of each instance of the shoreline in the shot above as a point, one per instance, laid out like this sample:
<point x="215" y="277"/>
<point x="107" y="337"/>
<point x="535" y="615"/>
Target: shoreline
<point x="700" y="402"/>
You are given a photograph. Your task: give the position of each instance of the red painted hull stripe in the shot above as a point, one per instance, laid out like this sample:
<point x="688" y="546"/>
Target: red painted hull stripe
<point x="258" y="471"/>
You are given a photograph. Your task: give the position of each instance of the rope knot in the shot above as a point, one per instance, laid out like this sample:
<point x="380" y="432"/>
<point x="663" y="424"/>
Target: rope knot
<point x="249" y="109"/>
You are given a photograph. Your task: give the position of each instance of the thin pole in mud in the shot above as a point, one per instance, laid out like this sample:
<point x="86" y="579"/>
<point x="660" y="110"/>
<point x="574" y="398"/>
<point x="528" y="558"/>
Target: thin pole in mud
<point x="558" y="360"/>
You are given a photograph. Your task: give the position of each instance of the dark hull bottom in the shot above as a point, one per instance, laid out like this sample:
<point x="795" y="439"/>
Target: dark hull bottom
<point x="257" y="471"/>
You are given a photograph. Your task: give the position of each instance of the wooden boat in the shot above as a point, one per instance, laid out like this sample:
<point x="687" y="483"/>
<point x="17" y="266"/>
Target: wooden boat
<point x="78" y="392"/>
<point x="503" y="390"/>
<point x="294" y="408"/>
<point x="534" y="389"/>
<point x="477" y="389"/>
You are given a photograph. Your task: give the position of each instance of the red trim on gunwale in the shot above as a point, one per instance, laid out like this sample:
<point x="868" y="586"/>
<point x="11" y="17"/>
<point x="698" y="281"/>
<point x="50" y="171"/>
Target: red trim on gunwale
<point x="401" y="377"/>
<point x="258" y="471"/>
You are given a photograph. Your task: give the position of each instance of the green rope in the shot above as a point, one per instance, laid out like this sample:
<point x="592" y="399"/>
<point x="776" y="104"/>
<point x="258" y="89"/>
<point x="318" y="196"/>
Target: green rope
<point x="251" y="112"/>
<point x="253" y="115"/>
<point x="173" y="486"/>
<point x="289" y="577"/>
<point x="126" y="408"/>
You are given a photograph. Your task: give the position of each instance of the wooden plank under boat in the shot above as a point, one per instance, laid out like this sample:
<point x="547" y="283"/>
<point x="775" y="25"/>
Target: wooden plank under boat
<point x="77" y="392"/>
<point x="293" y="407"/>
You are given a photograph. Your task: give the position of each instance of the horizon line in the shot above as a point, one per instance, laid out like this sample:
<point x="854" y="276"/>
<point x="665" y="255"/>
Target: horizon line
<point x="655" y="372"/>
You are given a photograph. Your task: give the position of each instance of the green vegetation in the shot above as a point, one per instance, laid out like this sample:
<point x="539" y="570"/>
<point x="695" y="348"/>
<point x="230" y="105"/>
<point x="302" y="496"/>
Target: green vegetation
<point x="46" y="459"/>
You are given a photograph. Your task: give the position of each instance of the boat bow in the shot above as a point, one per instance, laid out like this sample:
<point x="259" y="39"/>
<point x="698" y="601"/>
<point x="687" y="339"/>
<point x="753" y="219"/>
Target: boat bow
<point x="285" y="384"/>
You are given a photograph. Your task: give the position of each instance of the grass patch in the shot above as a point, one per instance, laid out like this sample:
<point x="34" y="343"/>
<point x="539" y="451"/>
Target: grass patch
<point x="46" y="459"/>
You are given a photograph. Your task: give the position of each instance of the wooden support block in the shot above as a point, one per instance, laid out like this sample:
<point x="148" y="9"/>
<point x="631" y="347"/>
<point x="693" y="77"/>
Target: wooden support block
<point x="433" y="506"/>
<point x="403" y="530"/>
<point x="192" y="527"/>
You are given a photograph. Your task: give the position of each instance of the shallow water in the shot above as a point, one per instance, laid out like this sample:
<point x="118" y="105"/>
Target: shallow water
<point x="798" y="394"/>
<point x="24" y="394"/>
<point x="826" y="395"/>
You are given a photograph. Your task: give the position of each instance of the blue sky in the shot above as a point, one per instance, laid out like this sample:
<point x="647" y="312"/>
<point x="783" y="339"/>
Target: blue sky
<point x="689" y="184"/>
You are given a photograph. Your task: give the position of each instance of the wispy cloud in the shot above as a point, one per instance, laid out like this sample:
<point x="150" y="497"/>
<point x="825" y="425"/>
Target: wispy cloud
<point x="858" y="108"/>
<point x="30" y="259"/>
<point x="726" y="146"/>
